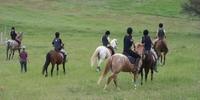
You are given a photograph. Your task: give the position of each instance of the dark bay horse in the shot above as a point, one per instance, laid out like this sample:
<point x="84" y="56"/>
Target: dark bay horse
<point x="12" y="46"/>
<point x="161" y="49"/>
<point x="120" y="63"/>
<point x="55" y="58"/>
<point x="148" y="63"/>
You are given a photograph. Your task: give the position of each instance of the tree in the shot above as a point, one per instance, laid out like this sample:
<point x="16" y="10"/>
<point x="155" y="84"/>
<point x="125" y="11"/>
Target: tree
<point x="192" y="7"/>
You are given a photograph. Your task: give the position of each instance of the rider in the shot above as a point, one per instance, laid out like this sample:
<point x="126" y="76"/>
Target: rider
<point x="13" y="35"/>
<point x="128" y="42"/>
<point x="146" y="40"/>
<point x="58" y="45"/>
<point x="106" y="41"/>
<point x="160" y="33"/>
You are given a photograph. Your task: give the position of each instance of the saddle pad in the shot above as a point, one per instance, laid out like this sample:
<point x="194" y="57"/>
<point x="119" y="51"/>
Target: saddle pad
<point x="131" y="59"/>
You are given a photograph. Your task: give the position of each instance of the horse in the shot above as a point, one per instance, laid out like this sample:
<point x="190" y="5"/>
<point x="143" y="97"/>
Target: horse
<point x="55" y="58"/>
<point x="102" y="53"/>
<point x="161" y="49"/>
<point x="148" y="63"/>
<point x="120" y="63"/>
<point x="12" y="46"/>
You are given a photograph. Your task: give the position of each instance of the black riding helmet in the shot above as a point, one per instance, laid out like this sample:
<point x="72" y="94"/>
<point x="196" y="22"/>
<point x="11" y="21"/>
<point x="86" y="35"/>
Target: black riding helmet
<point x="129" y="30"/>
<point x="57" y="34"/>
<point x="107" y="32"/>
<point x="12" y="28"/>
<point x="161" y="25"/>
<point x="145" y="32"/>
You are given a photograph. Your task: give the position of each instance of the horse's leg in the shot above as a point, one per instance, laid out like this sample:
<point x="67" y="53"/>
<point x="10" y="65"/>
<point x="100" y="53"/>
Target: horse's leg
<point x="99" y="64"/>
<point x="46" y="70"/>
<point x="19" y="51"/>
<point x="10" y="54"/>
<point x="57" y="69"/>
<point x="109" y="79"/>
<point x="161" y="58"/>
<point x="141" y="72"/>
<point x="13" y="53"/>
<point x="7" y="49"/>
<point x="115" y="80"/>
<point x="135" y="75"/>
<point x="64" y="67"/>
<point x="146" y="73"/>
<point x="164" y="58"/>
<point x="151" y="74"/>
<point x="52" y="69"/>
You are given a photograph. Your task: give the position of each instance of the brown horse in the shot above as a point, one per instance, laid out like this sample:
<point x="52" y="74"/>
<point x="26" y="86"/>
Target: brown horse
<point x="161" y="49"/>
<point x="53" y="57"/>
<point x="12" y="46"/>
<point x="120" y="63"/>
<point x="148" y="63"/>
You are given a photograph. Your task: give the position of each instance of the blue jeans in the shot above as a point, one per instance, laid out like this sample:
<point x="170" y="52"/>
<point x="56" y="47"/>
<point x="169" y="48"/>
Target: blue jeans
<point x="23" y="66"/>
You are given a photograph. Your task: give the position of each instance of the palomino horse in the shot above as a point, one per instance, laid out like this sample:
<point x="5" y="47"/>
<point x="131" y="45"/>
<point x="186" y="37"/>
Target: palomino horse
<point x="120" y="63"/>
<point x="161" y="49"/>
<point x="101" y="53"/>
<point x="12" y="45"/>
<point x="148" y="63"/>
<point x="53" y="57"/>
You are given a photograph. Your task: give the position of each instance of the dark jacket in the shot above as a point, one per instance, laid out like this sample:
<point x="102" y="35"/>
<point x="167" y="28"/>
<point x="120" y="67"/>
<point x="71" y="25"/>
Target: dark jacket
<point x="105" y="41"/>
<point x="57" y="43"/>
<point x="128" y="42"/>
<point x="161" y="34"/>
<point x="147" y="42"/>
<point x="13" y="35"/>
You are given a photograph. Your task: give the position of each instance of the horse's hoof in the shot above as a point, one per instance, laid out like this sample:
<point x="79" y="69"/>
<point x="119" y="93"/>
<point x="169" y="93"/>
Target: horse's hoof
<point x="46" y="75"/>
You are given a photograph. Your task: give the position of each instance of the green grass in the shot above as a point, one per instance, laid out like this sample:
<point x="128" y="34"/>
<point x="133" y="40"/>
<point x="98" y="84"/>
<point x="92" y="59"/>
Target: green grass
<point x="82" y="23"/>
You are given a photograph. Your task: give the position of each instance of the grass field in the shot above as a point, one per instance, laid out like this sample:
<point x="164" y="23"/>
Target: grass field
<point x="82" y="23"/>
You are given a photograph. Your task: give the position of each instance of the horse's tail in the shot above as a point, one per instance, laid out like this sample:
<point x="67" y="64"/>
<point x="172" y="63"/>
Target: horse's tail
<point x="94" y="57"/>
<point x="106" y="70"/>
<point x="47" y="62"/>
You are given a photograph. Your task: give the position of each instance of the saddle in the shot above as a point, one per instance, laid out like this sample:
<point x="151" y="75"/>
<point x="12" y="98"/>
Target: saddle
<point x="131" y="59"/>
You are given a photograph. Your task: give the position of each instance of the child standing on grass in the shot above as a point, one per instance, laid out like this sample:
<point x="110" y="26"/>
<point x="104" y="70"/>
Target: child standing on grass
<point x="23" y="58"/>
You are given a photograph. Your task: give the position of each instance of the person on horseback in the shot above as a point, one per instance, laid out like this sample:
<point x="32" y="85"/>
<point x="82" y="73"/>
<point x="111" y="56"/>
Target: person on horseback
<point x="127" y="50"/>
<point x="161" y="29"/>
<point x="58" y="44"/>
<point x="13" y="35"/>
<point x="106" y="41"/>
<point x="146" y="40"/>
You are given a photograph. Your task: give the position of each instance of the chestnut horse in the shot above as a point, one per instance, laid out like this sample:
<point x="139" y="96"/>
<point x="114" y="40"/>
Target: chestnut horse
<point x="120" y="63"/>
<point x="12" y="46"/>
<point x="53" y="57"/>
<point x="161" y="49"/>
<point x="148" y="63"/>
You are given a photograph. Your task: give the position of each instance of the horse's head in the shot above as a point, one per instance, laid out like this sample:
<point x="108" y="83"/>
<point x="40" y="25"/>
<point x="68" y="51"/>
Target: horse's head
<point x="114" y="43"/>
<point x="139" y="49"/>
<point x="19" y="36"/>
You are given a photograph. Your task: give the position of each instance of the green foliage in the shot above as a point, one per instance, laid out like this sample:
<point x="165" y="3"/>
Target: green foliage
<point x="192" y="7"/>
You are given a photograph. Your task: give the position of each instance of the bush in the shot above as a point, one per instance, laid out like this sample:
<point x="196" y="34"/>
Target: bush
<point x="192" y="7"/>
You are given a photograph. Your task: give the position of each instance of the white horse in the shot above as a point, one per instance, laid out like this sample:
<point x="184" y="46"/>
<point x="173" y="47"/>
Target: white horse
<point x="12" y="45"/>
<point x="101" y="53"/>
